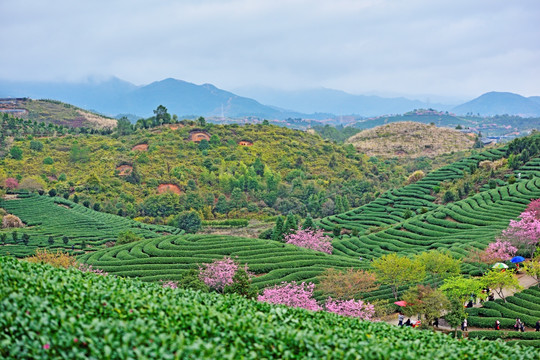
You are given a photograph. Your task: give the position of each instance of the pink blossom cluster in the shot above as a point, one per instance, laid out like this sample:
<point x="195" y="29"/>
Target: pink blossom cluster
<point x="11" y="183"/>
<point x="89" y="268"/>
<point x="218" y="274"/>
<point x="301" y="296"/>
<point x="291" y="294"/>
<point x="310" y="239"/>
<point x="534" y="208"/>
<point x="169" y="284"/>
<point x="499" y="251"/>
<point x="352" y="308"/>
<point x="526" y="230"/>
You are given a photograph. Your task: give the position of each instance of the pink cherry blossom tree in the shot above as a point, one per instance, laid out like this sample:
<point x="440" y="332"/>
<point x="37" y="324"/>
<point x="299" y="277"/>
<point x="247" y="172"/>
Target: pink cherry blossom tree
<point x="11" y="183"/>
<point x="500" y="251"/>
<point x="310" y="239"/>
<point x="219" y="273"/>
<point x="525" y="233"/>
<point x="352" y="308"/>
<point x="291" y="294"/>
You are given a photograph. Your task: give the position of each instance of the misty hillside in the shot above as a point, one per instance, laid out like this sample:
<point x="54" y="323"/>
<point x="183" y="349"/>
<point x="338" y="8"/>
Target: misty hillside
<point x="498" y="103"/>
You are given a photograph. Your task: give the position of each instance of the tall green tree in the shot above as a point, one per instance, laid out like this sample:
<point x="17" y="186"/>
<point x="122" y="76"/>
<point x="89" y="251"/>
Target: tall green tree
<point x="162" y="116"/>
<point x="291" y="225"/>
<point x="501" y="280"/>
<point x="277" y="233"/>
<point x="395" y="271"/>
<point x="439" y="264"/>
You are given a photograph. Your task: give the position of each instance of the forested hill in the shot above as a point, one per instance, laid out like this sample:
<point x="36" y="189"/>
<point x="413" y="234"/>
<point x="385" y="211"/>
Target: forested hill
<point x="235" y="171"/>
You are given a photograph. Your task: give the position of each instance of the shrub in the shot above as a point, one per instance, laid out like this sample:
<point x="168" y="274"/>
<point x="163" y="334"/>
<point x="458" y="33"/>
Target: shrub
<point x="58" y="259"/>
<point x="48" y="161"/>
<point x="189" y="221"/>
<point x="11" y="221"/>
<point x="31" y="184"/>
<point x="16" y="153"/>
<point x="126" y="237"/>
<point x="36" y="145"/>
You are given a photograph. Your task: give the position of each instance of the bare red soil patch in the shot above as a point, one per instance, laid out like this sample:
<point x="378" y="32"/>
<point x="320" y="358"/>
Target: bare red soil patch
<point x="64" y="206"/>
<point x="124" y="170"/>
<point x="198" y="136"/>
<point x="169" y="188"/>
<point x="245" y="143"/>
<point x="174" y="126"/>
<point x="448" y="218"/>
<point x="140" y="147"/>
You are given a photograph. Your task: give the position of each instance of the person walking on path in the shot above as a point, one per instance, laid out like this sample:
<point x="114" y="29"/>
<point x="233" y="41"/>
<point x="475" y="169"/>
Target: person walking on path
<point x="538" y="325"/>
<point x="498" y="325"/>
<point x="517" y="325"/>
<point x="522" y="326"/>
<point x="464" y="325"/>
<point x="400" y="317"/>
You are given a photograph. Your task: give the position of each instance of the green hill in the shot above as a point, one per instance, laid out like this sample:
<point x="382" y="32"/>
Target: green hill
<point x="279" y="170"/>
<point x="53" y="313"/>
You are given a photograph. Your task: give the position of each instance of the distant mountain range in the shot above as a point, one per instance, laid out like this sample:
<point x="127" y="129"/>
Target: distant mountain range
<point x="337" y="102"/>
<point x="116" y="96"/>
<point x="498" y="103"/>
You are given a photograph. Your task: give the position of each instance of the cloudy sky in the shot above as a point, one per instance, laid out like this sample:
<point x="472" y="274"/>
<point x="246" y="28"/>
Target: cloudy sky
<point x="451" y="48"/>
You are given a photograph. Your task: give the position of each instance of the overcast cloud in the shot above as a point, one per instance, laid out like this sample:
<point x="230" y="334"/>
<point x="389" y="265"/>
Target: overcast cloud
<point x="451" y="48"/>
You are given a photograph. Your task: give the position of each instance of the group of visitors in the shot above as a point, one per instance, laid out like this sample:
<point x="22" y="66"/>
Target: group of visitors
<point x="518" y="326"/>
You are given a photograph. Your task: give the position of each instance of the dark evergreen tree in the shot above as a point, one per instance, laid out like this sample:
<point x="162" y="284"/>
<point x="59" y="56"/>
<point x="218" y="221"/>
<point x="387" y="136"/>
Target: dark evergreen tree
<point x="308" y="223"/>
<point x="277" y="233"/>
<point x="291" y="225"/>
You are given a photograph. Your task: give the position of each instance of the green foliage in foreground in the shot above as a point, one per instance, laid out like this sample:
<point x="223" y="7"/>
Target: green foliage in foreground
<point x="48" y="313"/>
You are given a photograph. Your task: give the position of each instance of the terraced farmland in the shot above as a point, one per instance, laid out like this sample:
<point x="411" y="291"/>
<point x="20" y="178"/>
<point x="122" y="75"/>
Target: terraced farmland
<point x="169" y="257"/>
<point x="45" y="216"/>
<point x="103" y="317"/>
<point x="473" y="222"/>
<point x="524" y="305"/>
<point x="390" y="207"/>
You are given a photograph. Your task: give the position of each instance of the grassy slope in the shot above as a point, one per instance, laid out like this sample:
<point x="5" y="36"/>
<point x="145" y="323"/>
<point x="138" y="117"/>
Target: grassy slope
<point x="60" y="113"/>
<point x="124" y="318"/>
<point x="410" y="139"/>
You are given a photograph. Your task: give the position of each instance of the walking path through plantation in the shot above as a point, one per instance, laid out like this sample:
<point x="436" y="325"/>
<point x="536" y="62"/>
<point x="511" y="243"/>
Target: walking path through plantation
<point x="525" y="281"/>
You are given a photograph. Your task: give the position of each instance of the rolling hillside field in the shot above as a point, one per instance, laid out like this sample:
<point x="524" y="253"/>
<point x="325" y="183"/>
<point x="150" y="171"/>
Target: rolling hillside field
<point x="56" y="217"/>
<point x="125" y="318"/>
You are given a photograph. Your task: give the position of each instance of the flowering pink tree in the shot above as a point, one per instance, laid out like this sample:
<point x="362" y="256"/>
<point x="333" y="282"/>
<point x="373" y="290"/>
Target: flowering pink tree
<point x="291" y="294"/>
<point x="11" y="183"/>
<point x="534" y="207"/>
<point x="89" y="268"/>
<point x="352" y="308"/>
<point x="169" y="284"/>
<point x="500" y="251"/>
<point x="525" y="233"/>
<point x="310" y="239"/>
<point x="218" y="274"/>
